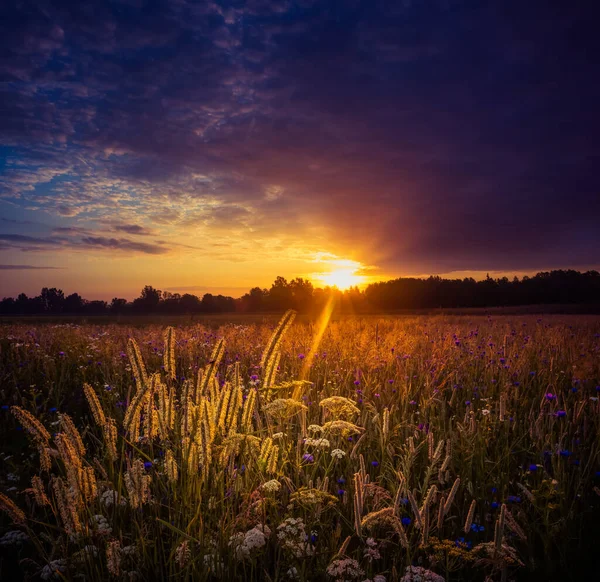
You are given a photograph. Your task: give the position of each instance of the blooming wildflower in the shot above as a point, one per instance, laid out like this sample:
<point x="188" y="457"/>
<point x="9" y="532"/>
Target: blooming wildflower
<point x="338" y="454"/>
<point x="301" y="356"/>
<point x="565" y="453"/>
<point x="419" y="574"/>
<point x="308" y="458"/>
<point x="14" y="538"/>
<point x="494" y="505"/>
<point x="560" y="413"/>
<point x="533" y="467"/>
<point x="550" y="396"/>
<point x="341" y="492"/>
<point x="344" y="569"/>
<point x="406" y="521"/>
<point x="148" y="465"/>
<point x="271" y="486"/>
<point x="375" y="463"/>
<point x="53" y="570"/>
<point x="245" y="544"/>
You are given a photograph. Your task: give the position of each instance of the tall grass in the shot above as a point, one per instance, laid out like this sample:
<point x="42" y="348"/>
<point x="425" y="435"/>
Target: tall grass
<point x="413" y="448"/>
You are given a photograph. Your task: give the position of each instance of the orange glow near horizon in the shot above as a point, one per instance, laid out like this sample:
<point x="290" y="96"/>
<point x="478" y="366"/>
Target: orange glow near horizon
<point x="339" y="273"/>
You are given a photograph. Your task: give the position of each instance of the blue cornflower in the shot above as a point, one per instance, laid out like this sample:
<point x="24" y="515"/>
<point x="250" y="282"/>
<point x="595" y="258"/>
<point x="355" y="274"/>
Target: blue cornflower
<point x="565" y="453"/>
<point x="341" y="492"/>
<point x="53" y="409"/>
<point x="406" y="521"/>
<point x="308" y="457"/>
<point x="148" y="465"/>
<point x="560" y="413"/>
<point x="341" y="480"/>
<point x="375" y="463"/>
<point x="5" y="407"/>
<point x="533" y="467"/>
<point x="494" y="505"/>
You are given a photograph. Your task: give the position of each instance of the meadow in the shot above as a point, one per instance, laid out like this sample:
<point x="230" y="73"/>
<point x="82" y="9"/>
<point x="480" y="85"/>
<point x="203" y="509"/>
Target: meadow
<point x="373" y="449"/>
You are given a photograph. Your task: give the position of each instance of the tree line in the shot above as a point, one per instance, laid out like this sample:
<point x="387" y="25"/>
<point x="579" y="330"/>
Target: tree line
<point x="553" y="287"/>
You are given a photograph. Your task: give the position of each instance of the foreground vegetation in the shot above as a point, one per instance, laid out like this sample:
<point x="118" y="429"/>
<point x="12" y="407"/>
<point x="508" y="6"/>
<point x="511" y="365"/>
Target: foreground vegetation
<point x="392" y="449"/>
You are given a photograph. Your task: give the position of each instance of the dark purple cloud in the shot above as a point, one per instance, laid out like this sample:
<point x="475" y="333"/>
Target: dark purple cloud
<point x="417" y="136"/>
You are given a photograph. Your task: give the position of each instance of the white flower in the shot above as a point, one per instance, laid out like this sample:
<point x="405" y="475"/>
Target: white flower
<point x="14" y="537"/>
<point x="418" y="574"/>
<point x="338" y="454"/>
<point x="371" y="552"/>
<point x="291" y="534"/>
<point x="344" y="569"/>
<point x="246" y="544"/>
<point x="485" y="412"/>
<point x="318" y="443"/>
<point x="278" y="435"/>
<point x="271" y="486"/>
<point x="379" y="578"/>
<point x="100" y="523"/>
<point x="52" y="570"/>
<point x="111" y="497"/>
<point x="315" y="428"/>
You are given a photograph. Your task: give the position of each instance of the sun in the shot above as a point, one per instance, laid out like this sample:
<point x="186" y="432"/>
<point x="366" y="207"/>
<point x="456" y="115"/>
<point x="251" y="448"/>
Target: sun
<point x="342" y="279"/>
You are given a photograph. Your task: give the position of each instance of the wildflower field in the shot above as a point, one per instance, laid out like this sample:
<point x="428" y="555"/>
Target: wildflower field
<point x="381" y="449"/>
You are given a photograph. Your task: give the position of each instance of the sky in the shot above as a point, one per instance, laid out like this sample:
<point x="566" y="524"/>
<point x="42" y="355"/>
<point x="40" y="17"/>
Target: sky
<point x="202" y="146"/>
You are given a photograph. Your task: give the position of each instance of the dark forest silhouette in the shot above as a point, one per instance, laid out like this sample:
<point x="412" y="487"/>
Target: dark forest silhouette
<point x="554" y="287"/>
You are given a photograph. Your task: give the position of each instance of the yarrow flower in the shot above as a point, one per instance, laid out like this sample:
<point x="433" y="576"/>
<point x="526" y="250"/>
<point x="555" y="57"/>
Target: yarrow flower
<point x="344" y="569"/>
<point x="318" y="443"/>
<point x="419" y="574"/>
<point x="291" y="534"/>
<point x="338" y="454"/>
<point x="271" y="486"/>
<point x="246" y="544"/>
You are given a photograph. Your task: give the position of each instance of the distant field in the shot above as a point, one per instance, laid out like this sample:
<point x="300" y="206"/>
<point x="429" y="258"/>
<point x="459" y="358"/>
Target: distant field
<point x="465" y="444"/>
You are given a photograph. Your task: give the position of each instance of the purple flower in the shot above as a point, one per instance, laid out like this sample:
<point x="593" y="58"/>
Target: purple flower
<point x="61" y="354"/>
<point x="560" y="414"/>
<point x="550" y="396"/>
<point x="308" y="457"/>
<point x="494" y="505"/>
<point x="356" y="382"/>
<point x="533" y="467"/>
<point x="148" y="465"/>
<point x="341" y="492"/>
<point x="406" y="521"/>
<point x="374" y="463"/>
<point x="301" y="356"/>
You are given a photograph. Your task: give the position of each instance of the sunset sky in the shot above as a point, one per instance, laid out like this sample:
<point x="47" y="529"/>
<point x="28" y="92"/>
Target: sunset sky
<point x="211" y="146"/>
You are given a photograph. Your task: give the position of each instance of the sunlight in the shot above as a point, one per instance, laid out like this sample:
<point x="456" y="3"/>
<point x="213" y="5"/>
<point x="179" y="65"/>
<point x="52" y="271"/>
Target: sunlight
<point x="342" y="279"/>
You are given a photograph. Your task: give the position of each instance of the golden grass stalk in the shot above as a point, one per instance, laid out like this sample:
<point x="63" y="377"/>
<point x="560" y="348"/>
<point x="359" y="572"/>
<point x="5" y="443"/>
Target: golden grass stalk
<point x="113" y="558"/>
<point x="67" y="508"/>
<point x="31" y="424"/>
<point x="169" y="353"/>
<point x="8" y="506"/>
<point x="171" y="466"/>
<point x="470" y="516"/>
<point x="137" y="484"/>
<point x="248" y="411"/>
<point x="451" y="495"/>
<point x="415" y="508"/>
<point x="94" y="404"/>
<point x="137" y="364"/>
<point x="513" y="525"/>
<point x="207" y="376"/>
<point x="39" y="492"/>
<point x="275" y="339"/>
<point x="69" y="428"/>
<point x="440" y="516"/>
<point x="110" y="438"/>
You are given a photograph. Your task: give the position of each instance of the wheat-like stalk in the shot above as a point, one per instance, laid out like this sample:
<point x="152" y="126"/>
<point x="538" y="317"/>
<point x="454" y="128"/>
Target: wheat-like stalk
<point x="9" y="507"/>
<point x="169" y="353"/>
<point x="470" y="516"/>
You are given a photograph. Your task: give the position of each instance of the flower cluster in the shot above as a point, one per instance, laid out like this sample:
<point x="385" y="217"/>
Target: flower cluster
<point x="247" y="544"/>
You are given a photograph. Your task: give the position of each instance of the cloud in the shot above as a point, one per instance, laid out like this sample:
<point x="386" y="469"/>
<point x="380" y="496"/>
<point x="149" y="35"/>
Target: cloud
<point x="25" y="267"/>
<point x="416" y="137"/>
<point x="27" y="243"/>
